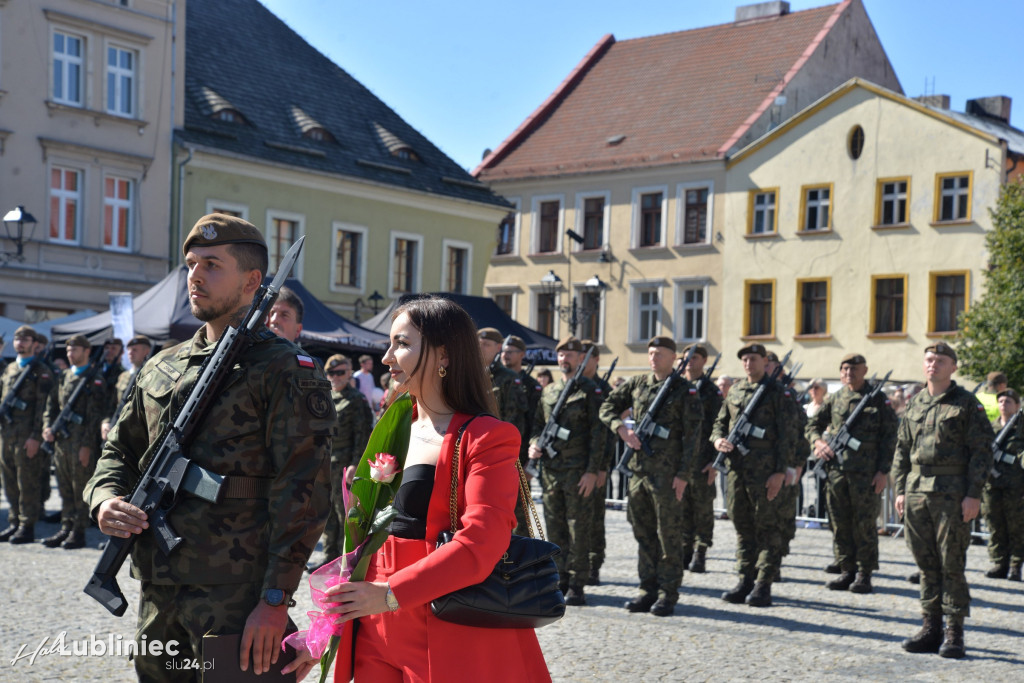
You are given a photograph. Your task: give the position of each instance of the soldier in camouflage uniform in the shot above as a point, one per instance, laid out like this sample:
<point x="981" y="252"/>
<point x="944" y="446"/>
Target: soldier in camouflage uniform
<point x="943" y="456"/>
<point x="659" y="481"/>
<point x="21" y="459"/>
<point x="790" y="495"/>
<point x="355" y="420"/>
<point x="755" y="479"/>
<point x="139" y="348"/>
<point x="1002" y="499"/>
<point x="569" y="478"/>
<point x="512" y="353"/>
<point x="699" y="497"/>
<point x="855" y="487"/>
<point x="76" y="455"/>
<point x="508" y="393"/>
<point x="269" y="431"/>
<point x="111" y="370"/>
<point x="597" y="539"/>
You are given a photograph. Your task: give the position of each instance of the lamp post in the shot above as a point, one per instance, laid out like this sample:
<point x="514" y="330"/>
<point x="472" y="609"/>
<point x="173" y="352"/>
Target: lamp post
<point x="375" y="300"/>
<point x="574" y="313"/>
<point x="14" y="225"/>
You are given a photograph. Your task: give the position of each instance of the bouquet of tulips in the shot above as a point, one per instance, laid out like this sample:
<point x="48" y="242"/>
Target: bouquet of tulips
<point x="368" y="512"/>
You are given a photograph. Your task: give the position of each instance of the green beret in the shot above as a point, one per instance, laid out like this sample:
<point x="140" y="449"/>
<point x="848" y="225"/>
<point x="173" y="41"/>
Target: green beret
<point x="490" y="333"/>
<point x="698" y="350"/>
<point x="1011" y="393"/>
<point x="513" y="340"/>
<point x="666" y="342"/>
<point x="569" y="344"/>
<point x="752" y="348"/>
<point x="588" y="344"/>
<point x="852" y="359"/>
<point x="770" y="355"/>
<point x="79" y="340"/>
<point x="219" y="228"/>
<point x="942" y="349"/>
<point x="140" y="339"/>
<point x="113" y="341"/>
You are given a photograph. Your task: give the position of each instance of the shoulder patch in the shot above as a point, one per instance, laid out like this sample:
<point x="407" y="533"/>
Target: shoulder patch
<point x="314" y="384"/>
<point x="693" y="391"/>
<point x="98" y="382"/>
<point x="318" y="404"/>
<point x="304" y="361"/>
<point x="517" y="380"/>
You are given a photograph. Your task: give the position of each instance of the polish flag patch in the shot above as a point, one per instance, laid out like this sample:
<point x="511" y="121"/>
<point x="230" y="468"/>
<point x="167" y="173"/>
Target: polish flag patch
<point x="305" y="361"/>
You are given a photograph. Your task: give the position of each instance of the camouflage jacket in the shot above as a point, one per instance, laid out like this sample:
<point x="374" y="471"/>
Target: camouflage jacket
<point x="124" y="381"/>
<point x="1011" y="474"/>
<point x="584" y="449"/>
<point x="508" y="395"/>
<point x="355" y="420"/>
<point x="681" y="414"/>
<point x="875" y="428"/>
<point x="711" y="400"/>
<point x="949" y="432"/>
<point x="273" y="420"/>
<point x="604" y="390"/>
<point x="90" y="407"/>
<point x="531" y="390"/>
<point x="775" y="414"/>
<point x="27" y="422"/>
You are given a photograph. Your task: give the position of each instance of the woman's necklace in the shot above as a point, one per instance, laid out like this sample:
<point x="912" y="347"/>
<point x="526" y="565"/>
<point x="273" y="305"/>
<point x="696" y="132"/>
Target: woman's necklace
<point x="430" y="431"/>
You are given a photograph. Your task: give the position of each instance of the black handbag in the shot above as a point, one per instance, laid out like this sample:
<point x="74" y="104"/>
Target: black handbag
<point x="522" y="590"/>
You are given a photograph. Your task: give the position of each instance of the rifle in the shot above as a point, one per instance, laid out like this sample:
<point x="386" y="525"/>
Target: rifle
<point x="744" y="428"/>
<point x="788" y="377"/>
<point x="999" y="453"/>
<point x="170" y="474"/>
<point x="11" y="401"/>
<point x="552" y="430"/>
<point x="67" y="413"/>
<point x="707" y="374"/>
<point x="843" y="439"/>
<point x="124" y="398"/>
<point x="647" y="427"/>
<point x="611" y="369"/>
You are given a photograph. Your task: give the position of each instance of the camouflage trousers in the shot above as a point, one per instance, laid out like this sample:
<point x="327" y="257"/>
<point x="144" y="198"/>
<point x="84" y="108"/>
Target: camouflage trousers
<point x="185" y="614"/>
<point x="1004" y="517"/>
<point x="568" y="520"/>
<point x="852" y="514"/>
<point x="657" y="520"/>
<point x="789" y="500"/>
<point x="71" y="480"/>
<point x="597" y="540"/>
<point x="758" y="522"/>
<point x="333" y="535"/>
<point x="938" y="538"/>
<point x="698" y="513"/>
<point x="22" y="479"/>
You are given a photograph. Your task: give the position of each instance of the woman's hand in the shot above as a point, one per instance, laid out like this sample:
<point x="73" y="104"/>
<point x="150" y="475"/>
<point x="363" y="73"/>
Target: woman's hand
<point x="301" y="665"/>
<point x="357" y="599"/>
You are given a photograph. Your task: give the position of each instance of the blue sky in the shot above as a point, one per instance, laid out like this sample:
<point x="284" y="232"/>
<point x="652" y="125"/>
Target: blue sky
<point x="466" y="73"/>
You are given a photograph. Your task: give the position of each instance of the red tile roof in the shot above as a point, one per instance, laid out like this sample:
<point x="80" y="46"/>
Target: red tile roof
<point x="676" y="97"/>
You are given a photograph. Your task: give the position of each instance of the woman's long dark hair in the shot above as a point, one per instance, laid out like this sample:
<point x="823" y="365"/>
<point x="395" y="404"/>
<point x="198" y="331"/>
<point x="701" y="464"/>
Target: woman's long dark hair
<point x="442" y="322"/>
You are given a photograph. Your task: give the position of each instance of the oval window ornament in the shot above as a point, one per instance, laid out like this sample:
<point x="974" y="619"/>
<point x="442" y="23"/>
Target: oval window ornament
<point x="855" y="142"/>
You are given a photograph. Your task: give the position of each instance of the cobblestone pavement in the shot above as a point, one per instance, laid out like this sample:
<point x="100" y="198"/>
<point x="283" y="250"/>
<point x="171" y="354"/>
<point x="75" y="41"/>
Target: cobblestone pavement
<point x="809" y="634"/>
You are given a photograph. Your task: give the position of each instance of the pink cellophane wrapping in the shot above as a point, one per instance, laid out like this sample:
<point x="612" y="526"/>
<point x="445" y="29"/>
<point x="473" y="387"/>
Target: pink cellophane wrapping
<point x="321" y="625"/>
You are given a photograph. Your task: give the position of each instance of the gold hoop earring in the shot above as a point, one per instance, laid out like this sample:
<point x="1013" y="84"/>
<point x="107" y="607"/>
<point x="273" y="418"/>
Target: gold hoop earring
<point x="441" y="371"/>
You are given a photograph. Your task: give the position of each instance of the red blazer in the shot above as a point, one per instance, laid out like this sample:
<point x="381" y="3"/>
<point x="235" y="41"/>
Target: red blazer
<point x="486" y="508"/>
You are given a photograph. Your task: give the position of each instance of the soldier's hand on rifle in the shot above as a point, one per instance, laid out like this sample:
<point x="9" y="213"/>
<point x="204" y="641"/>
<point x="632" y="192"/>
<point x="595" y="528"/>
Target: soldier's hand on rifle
<point x="31" y="447"/>
<point x="970" y="506"/>
<point x="723" y="445"/>
<point x="822" y="451"/>
<point x="880" y="481"/>
<point x="535" y="452"/>
<point x="48" y="435"/>
<point x="587" y="483"/>
<point x="710" y="470"/>
<point x="83" y="455"/>
<point x="629" y="437"/>
<point x="774" y="484"/>
<point x="679" y="486"/>
<point x="117" y="517"/>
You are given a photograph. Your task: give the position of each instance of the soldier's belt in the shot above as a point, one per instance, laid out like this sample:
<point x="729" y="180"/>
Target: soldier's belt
<point x="247" y="487"/>
<point x="760" y="443"/>
<point x="939" y="470"/>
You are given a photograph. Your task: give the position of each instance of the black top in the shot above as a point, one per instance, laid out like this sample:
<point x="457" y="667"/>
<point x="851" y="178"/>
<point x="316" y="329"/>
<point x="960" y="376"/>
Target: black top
<point x="412" y="501"/>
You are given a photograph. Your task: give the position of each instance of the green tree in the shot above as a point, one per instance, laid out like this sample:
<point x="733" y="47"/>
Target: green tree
<point x="992" y="331"/>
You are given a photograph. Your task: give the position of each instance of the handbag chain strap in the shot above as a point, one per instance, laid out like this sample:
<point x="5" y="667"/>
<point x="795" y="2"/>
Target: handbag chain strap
<point x="533" y="527"/>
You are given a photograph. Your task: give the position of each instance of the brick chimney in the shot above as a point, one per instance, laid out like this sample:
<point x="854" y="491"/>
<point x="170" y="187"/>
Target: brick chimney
<point x="997" y="107"/>
<point x="937" y="101"/>
<point x="762" y="10"/>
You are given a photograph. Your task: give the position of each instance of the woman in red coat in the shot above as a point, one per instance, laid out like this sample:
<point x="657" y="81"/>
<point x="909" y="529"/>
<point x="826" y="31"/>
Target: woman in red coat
<point x="434" y="355"/>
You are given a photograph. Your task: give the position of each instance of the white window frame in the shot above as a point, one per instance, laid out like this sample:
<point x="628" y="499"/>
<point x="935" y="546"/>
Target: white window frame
<point x="516" y="226"/>
<point x="581" y="202"/>
<point x="214" y="204"/>
<point x="535" y="292"/>
<point x="638" y="193"/>
<point x="62" y="195"/>
<point x="467" y="276"/>
<point x="116" y="204"/>
<point x="896" y="197"/>
<point x="818" y="204"/>
<point x="770" y="225"/>
<point x="681" y="189"/>
<point x="418" y="275"/>
<point x="680" y="286"/>
<point x="298" y="218"/>
<point x="535" y="203"/>
<point x="67" y="60"/>
<point x="337" y="227"/>
<point x="635" y="288"/>
<point x="119" y="73"/>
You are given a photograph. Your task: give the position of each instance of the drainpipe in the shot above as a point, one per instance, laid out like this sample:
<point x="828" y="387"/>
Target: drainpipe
<point x="176" y="234"/>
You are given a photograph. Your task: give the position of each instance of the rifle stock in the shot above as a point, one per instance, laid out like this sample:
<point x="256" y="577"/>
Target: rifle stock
<point x="843" y="439"/>
<point x="552" y="430"/>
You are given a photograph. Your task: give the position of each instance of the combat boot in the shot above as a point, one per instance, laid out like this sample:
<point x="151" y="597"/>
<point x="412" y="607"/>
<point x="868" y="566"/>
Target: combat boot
<point x="740" y="591"/>
<point x="687" y="555"/>
<point x="844" y="581"/>
<point x="641" y="604"/>
<point x="663" y="608"/>
<point x="25" y="534"/>
<point x="1014" y="574"/>
<point x="953" y="645"/>
<point x="929" y="638"/>
<point x="863" y="583"/>
<point x="834" y="568"/>
<point x="697" y="566"/>
<point x="761" y="596"/>
<point x="575" y="596"/>
<point x="75" y="541"/>
<point x="595" y="577"/>
<point x="57" y="538"/>
<point x="915" y="577"/>
<point x="6" y="534"/>
<point x="997" y="571"/>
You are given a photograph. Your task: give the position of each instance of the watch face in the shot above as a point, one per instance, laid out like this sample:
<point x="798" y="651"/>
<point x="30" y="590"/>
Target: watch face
<point x="274" y="596"/>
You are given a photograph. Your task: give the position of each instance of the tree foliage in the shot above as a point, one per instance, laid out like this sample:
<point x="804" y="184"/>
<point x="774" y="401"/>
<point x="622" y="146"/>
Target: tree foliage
<point x="992" y="331"/>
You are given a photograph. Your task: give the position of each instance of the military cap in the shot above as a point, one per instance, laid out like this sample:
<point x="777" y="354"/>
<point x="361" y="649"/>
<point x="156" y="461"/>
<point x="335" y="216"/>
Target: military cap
<point x="942" y="349"/>
<point x="42" y="338"/>
<point x="770" y="355"/>
<point x="852" y="359"/>
<point x="140" y="339"/>
<point x="113" y="341"/>
<point x="337" y="359"/>
<point x="666" y="342"/>
<point x="513" y="340"/>
<point x="79" y="340"/>
<point x="26" y="331"/>
<point x="587" y="344"/>
<point x="1011" y="393"/>
<point x="752" y="348"/>
<point x="569" y="344"/>
<point x="995" y="377"/>
<point x="219" y="228"/>
<point x="698" y="350"/>
<point x="490" y="333"/>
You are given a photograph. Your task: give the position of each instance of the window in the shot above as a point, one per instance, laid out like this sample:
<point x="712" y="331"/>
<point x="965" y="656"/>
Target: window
<point x="67" y="69"/>
<point x="118" y="212"/>
<point x="505" y="302"/>
<point x="121" y="65"/>
<point x="593" y="223"/>
<point x="816" y="204"/>
<point x="227" y="208"/>
<point x="349" y="256"/>
<point x="760" y="308"/>
<point x="889" y="307"/>
<point x="544" y="313"/>
<point x="855" y="142"/>
<point x="455" y="271"/>
<point x="650" y="219"/>
<point x="507" y="234"/>
<point x="949" y="300"/>
<point x="813" y="307"/>
<point x="406" y="261"/>
<point x="762" y="212"/>
<point x="892" y="201"/>
<point x="953" y="197"/>
<point x="65" y="204"/>
<point x="547" y="217"/>
<point x="590" y="324"/>
<point x="283" y="234"/>
<point x="694" y="213"/>
<point x="646" y="313"/>
<point x="691" y="310"/>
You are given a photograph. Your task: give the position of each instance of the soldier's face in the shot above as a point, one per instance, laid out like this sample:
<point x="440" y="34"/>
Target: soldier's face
<point x="217" y="288"/>
<point x="1007" y="407"/>
<point x="284" y="321"/>
<point x="111" y="352"/>
<point x="78" y="355"/>
<point x="411" y="364"/>
<point x="938" y="367"/>
<point x="592" y="364"/>
<point x="339" y="376"/>
<point x="23" y="345"/>
<point x="137" y="353"/>
<point x="512" y="357"/>
<point x="660" y="359"/>
<point x="489" y="349"/>
<point x="853" y="375"/>
<point x="568" y="361"/>
<point x="754" y="365"/>
<point x="696" y="364"/>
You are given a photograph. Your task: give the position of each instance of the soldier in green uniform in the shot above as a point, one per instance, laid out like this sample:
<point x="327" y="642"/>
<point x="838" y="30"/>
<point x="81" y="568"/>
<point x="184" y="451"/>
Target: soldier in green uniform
<point x="269" y="431"/>
<point x="76" y="455"/>
<point x="1002" y="499"/>
<point x="790" y="495"/>
<point x="111" y="371"/>
<point x="755" y="479"/>
<point x="659" y="478"/>
<point x="505" y="384"/>
<point x="699" y="497"/>
<point x="21" y="434"/>
<point x="139" y="348"/>
<point x="568" y="479"/>
<point x="855" y="487"/>
<point x="597" y="539"/>
<point x="513" y="351"/>
<point x="355" y="420"/>
<point x="943" y="456"/>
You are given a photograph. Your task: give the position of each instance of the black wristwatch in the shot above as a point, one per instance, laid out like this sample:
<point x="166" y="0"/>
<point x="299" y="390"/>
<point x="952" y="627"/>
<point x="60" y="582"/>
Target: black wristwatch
<point x="275" y="597"/>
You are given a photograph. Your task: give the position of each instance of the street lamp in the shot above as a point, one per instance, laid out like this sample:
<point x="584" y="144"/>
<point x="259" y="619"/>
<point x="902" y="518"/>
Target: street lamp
<point x="14" y="222"/>
<point x="574" y="314"/>
<point x="375" y="300"/>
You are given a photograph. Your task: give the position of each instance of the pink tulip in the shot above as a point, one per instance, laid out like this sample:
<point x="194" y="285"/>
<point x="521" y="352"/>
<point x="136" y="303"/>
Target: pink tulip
<point x="383" y="468"/>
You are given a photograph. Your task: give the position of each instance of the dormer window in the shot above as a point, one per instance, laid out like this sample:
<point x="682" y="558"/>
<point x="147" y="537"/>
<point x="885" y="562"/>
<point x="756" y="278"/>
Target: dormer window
<point x="395" y="146"/>
<point x="310" y="128"/>
<point x="228" y="116"/>
<point x="319" y="135"/>
<point x="217" y="107"/>
<point x="405" y="154"/>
